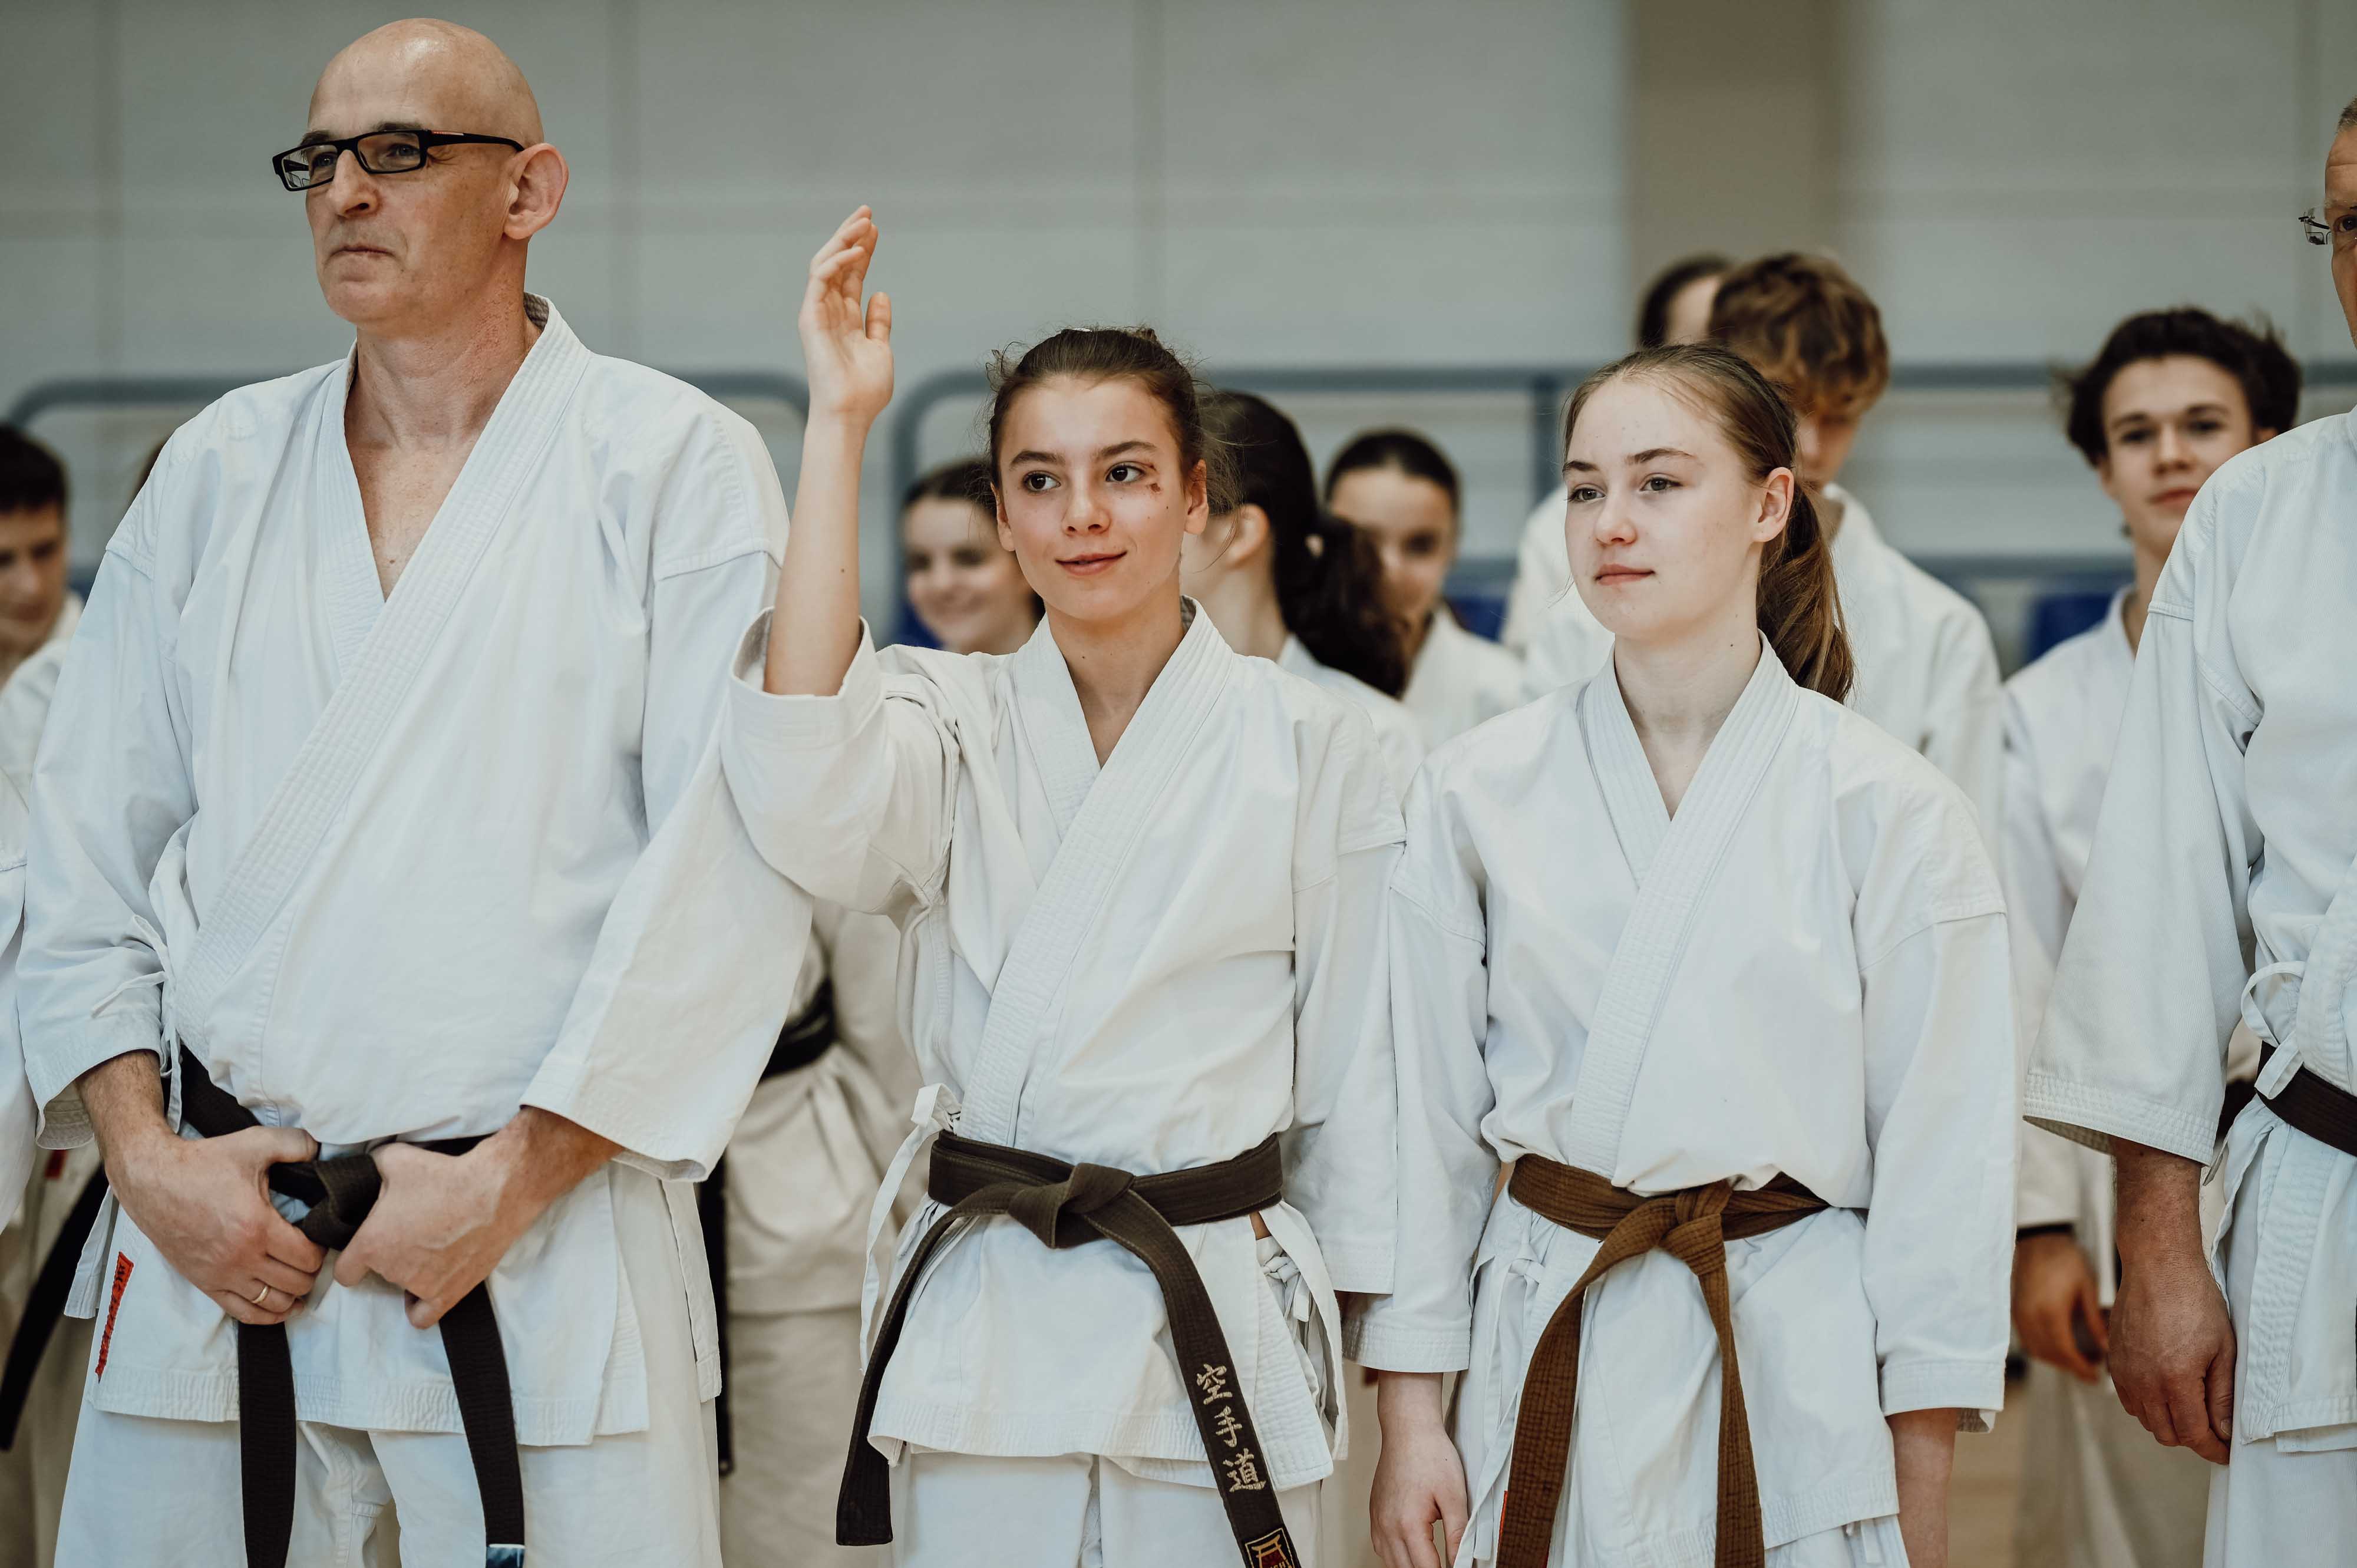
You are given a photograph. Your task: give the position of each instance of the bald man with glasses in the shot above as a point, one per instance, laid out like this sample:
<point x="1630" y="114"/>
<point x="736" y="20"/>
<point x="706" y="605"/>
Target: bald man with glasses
<point x="383" y="908"/>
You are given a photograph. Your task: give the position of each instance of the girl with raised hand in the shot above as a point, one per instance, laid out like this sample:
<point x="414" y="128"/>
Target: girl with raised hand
<point x="1283" y="581"/>
<point x="1718" y="970"/>
<point x="1139" y="882"/>
<point x="1403" y="492"/>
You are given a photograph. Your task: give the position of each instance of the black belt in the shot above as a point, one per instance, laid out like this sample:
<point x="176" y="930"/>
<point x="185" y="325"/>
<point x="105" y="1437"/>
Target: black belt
<point x="340" y="1192"/>
<point x="1070" y="1205"/>
<point x="2325" y="1113"/>
<point x="44" y="1305"/>
<point x="807" y="1036"/>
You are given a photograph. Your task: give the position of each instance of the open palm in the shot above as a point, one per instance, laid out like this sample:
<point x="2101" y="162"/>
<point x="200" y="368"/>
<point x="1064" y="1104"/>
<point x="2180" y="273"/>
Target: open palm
<point x="846" y="345"/>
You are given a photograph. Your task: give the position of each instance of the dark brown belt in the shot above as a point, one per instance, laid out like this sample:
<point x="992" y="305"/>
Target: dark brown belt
<point x="1070" y="1205"/>
<point x="2314" y="1107"/>
<point x="1693" y="1226"/>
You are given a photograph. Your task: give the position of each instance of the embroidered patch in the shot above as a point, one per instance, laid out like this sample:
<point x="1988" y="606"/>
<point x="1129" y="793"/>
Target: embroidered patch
<point x="1273" y="1550"/>
<point x="57" y="1165"/>
<point x="114" y="1306"/>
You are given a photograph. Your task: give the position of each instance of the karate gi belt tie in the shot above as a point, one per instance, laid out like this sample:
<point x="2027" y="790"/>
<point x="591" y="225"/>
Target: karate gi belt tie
<point x="1693" y="1226"/>
<point x="340" y="1192"/>
<point x="1071" y="1205"/>
<point x="808" y="1035"/>
<point x="2314" y="1107"/>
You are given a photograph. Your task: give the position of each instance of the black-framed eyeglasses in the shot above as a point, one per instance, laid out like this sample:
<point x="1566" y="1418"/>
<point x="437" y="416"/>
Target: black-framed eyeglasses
<point x="2340" y="233"/>
<point x="380" y="152"/>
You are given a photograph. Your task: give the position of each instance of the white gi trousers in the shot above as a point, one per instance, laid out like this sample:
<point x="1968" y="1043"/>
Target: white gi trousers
<point x="33" y="1472"/>
<point x="1075" y="1510"/>
<point x="2098" y="1491"/>
<point x="1342" y="1513"/>
<point x="793" y="1389"/>
<point x="2272" y="1505"/>
<point x="146" y="1490"/>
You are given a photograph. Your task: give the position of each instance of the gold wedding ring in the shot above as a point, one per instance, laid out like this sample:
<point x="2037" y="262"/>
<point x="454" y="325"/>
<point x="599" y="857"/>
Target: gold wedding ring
<point x="259" y="1294"/>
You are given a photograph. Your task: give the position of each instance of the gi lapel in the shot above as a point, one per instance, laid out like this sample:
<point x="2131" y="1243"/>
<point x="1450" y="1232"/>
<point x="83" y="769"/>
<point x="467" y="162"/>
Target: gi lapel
<point x="311" y="797"/>
<point x="1027" y="999"/>
<point x="1676" y="870"/>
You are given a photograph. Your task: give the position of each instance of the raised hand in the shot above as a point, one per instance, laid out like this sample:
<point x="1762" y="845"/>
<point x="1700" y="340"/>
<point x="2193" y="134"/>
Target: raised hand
<point x="846" y="344"/>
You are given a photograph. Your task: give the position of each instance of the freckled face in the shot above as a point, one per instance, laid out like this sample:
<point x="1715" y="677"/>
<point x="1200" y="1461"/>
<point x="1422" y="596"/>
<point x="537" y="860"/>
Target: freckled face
<point x="1094" y="496"/>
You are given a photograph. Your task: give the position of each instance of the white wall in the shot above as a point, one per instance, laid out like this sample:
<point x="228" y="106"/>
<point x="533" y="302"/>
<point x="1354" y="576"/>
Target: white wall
<point x="1332" y="181"/>
<point x="2019" y="175"/>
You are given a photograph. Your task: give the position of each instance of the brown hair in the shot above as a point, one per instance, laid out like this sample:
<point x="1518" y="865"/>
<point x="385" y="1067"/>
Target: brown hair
<point x="1807" y="326"/>
<point x="1105" y="354"/>
<point x="1799" y="608"/>
<point x="2349" y="116"/>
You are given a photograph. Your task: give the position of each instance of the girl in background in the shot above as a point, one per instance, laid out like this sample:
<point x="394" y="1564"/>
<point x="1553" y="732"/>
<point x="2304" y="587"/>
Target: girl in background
<point x="963" y="585"/>
<point x="1286" y="583"/>
<point x="1402" y="491"/>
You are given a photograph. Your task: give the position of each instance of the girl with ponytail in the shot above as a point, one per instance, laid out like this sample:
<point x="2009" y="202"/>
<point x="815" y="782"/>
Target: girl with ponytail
<point x="1139" y="884"/>
<point x="1719" y="968"/>
<point x="1286" y="583"/>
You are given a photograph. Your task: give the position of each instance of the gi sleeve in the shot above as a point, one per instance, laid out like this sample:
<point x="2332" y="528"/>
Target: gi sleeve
<point x="2038" y="908"/>
<point x="18" y="1116"/>
<point x="848" y="795"/>
<point x="1941" y="1114"/>
<point x="111" y="788"/>
<point x="1447" y="1171"/>
<point x="1340" y="1155"/>
<point x="1965" y="716"/>
<point x="2151" y="976"/>
<point x="695" y="966"/>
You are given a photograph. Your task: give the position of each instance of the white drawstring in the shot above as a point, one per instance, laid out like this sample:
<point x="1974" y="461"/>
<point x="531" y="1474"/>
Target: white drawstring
<point x="2285" y="1060"/>
<point x="936" y="1111"/>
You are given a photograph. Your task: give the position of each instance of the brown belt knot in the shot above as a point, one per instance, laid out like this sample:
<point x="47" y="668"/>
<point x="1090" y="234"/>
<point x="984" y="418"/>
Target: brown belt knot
<point x="1056" y="1212"/>
<point x="1694" y="1226"/>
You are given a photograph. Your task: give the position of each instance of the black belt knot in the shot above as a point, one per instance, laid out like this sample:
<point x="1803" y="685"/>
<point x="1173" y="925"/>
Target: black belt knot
<point x="341" y="1192"/>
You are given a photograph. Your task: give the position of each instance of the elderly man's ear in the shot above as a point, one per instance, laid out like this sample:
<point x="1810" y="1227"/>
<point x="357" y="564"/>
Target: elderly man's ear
<point x="540" y="179"/>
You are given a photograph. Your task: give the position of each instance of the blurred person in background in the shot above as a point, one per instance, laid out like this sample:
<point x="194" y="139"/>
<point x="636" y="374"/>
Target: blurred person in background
<point x="45" y="1353"/>
<point x="1402" y="492"/>
<point x="963" y="587"/>
<point x="1285" y="581"/>
<point x="1675" y="309"/>
<point x="2172" y="394"/>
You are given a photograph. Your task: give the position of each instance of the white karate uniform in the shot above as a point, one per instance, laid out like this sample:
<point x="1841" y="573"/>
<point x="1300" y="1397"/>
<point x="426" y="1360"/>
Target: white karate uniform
<point x="397" y="865"/>
<point x="1459" y="681"/>
<point x="2226" y="844"/>
<point x="802" y="1173"/>
<point x="1397" y="736"/>
<point x="2096" y="1490"/>
<point x="1803" y="973"/>
<point x="32" y="1472"/>
<point x="1927" y="671"/>
<point x="1153" y="964"/>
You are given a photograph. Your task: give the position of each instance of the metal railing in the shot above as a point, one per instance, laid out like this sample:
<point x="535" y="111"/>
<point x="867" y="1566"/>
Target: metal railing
<point x="144" y="392"/>
<point x="1543" y="386"/>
